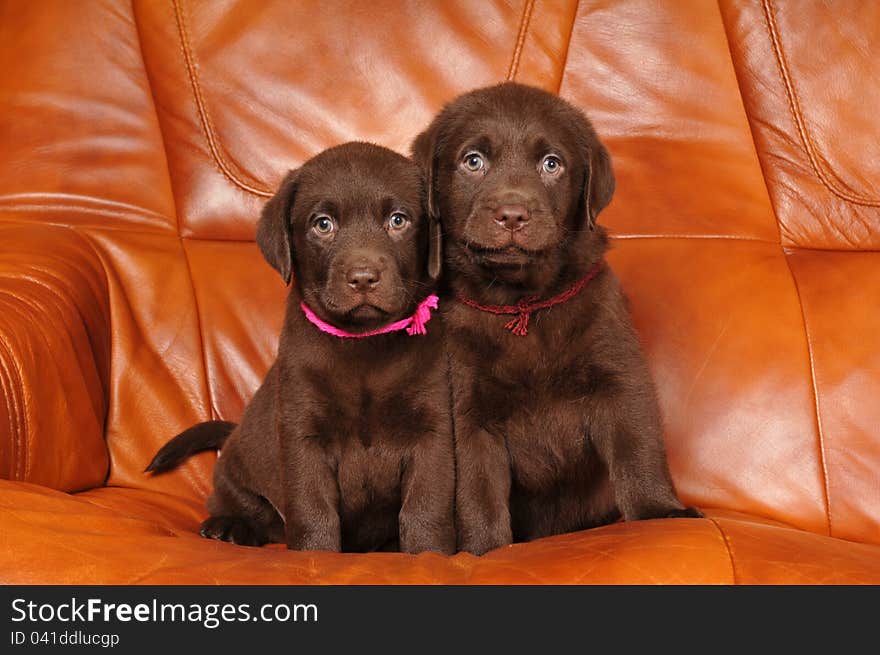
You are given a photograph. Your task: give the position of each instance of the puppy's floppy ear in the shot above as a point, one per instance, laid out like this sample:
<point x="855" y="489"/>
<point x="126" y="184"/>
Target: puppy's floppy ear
<point x="424" y="152"/>
<point x="273" y="230"/>
<point x="435" y="248"/>
<point x="599" y="183"/>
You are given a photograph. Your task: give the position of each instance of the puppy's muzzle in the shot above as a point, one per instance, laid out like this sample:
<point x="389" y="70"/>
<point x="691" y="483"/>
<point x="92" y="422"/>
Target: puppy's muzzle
<point x="512" y="217"/>
<point x="361" y="271"/>
<point x="363" y="278"/>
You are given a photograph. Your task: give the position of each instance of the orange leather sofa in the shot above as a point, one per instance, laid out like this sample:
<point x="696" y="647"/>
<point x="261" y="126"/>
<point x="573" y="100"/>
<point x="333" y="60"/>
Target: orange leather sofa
<point x="139" y="141"/>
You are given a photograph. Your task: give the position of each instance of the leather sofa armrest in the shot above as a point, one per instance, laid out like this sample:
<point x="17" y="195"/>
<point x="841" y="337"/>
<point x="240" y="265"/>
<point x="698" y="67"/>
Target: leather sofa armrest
<point x="54" y="357"/>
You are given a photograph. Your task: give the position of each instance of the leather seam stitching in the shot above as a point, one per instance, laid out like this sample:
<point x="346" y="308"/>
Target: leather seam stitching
<point x="815" y="391"/>
<point x="61" y="208"/>
<point x="97" y="226"/>
<point x="742" y="97"/>
<point x="37" y="198"/>
<point x="207" y="125"/>
<point x="794" y="107"/>
<point x="520" y="40"/>
<point x="196" y="483"/>
<point x="819" y="429"/>
<point x="728" y="547"/>
<point x="728" y="237"/>
<point x="621" y="237"/>
<point x="190" y="237"/>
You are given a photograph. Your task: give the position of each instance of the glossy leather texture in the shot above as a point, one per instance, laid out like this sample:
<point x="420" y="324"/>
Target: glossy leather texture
<point x="140" y="140"/>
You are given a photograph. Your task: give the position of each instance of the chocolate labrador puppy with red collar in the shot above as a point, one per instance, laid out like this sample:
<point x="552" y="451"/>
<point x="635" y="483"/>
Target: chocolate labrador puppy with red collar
<point x="347" y="444"/>
<point x="557" y="425"/>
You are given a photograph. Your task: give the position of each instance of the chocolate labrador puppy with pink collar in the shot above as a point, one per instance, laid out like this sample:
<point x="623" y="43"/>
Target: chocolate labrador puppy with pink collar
<point x="557" y="425"/>
<point x="347" y="444"/>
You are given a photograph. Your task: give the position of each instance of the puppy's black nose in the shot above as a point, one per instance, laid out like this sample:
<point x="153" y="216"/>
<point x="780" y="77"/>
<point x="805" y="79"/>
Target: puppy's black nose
<point x="363" y="278"/>
<point x="512" y="217"/>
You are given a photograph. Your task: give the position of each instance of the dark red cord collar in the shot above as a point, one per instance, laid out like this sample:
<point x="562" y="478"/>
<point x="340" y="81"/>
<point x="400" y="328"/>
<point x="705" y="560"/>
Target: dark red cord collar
<point x="524" y="309"/>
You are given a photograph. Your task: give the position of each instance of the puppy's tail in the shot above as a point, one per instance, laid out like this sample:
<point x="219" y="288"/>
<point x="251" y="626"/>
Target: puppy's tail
<point x="209" y="435"/>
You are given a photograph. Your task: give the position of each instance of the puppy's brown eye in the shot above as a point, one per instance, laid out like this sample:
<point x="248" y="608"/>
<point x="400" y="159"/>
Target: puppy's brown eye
<point x="473" y="161"/>
<point x="551" y="165"/>
<point x="397" y="221"/>
<point x="324" y="225"/>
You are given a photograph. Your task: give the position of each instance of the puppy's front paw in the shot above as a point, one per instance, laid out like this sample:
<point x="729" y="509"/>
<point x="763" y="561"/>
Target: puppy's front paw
<point x="686" y="513"/>
<point x="233" y="529"/>
<point x="482" y="542"/>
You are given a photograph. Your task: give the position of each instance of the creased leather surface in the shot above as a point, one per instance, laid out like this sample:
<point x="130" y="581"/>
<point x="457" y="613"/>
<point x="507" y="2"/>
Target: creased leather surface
<point x="234" y="123"/>
<point x="145" y="137"/>
<point x="657" y="81"/>
<point x="79" y="134"/>
<point x="810" y="79"/>
<point x="739" y="436"/>
<point x="121" y="536"/>
<point x="838" y="291"/>
<point x="54" y="357"/>
<point x="239" y="349"/>
<point x="767" y="554"/>
<point x="158" y="386"/>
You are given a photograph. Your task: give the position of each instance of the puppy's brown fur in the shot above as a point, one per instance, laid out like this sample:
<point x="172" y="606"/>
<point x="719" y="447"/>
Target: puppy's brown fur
<point x="347" y="445"/>
<point x="558" y="430"/>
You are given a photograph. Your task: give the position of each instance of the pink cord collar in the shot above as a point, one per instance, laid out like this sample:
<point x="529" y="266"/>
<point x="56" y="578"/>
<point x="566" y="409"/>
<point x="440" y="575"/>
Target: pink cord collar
<point x="414" y="324"/>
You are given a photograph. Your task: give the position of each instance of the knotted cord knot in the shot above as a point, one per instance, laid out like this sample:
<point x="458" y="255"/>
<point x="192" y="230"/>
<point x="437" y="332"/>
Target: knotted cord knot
<point x="525" y="307"/>
<point x="520" y="324"/>
<point x="422" y="316"/>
